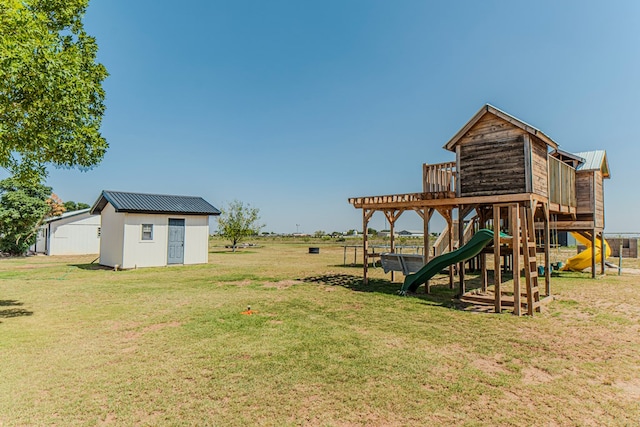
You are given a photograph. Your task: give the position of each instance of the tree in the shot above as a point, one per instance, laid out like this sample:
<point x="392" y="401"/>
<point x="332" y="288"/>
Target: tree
<point x="56" y="207"/>
<point x="23" y="206"/>
<point x="51" y="96"/>
<point x="319" y="233"/>
<point x="238" y="221"/>
<point x="71" y="206"/>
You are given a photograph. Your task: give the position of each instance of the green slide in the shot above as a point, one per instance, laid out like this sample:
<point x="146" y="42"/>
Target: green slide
<point x="479" y="240"/>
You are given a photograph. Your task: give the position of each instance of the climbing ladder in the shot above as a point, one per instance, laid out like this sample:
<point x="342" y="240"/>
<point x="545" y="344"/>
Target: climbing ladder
<point x="530" y="261"/>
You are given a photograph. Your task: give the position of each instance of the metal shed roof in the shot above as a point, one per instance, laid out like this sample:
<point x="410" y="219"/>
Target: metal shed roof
<point x="594" y="160"/>
<point x="65" y="215"/>
<point x="153" y="203"/>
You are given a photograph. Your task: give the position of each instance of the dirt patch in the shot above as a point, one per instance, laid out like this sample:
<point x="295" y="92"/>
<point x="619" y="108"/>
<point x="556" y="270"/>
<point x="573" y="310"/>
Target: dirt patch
<point x="283" y="284"/>
<point x="491" y="365"/>
<point x="630" y="388"/>
<point x="159" y="326"/>
<point x="532" y="375"/>
<point x="245" y="282"/>
<point x="135" y="334"/>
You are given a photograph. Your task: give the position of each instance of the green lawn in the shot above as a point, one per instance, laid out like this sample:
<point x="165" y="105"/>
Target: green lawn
<point x="81" y="345"/>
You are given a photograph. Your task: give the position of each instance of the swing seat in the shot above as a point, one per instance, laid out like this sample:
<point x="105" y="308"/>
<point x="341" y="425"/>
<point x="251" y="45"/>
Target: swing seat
<point x="407" y="263"/>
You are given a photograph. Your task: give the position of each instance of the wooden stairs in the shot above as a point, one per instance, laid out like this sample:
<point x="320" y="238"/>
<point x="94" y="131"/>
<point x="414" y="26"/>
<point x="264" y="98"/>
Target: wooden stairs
<point x="530" y="262"/>
<point x="524" y="299"/>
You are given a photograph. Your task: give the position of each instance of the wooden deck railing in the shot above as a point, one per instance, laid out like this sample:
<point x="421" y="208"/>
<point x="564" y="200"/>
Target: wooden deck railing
<point x="439" y="177"/>
<point x="562" y="183"/>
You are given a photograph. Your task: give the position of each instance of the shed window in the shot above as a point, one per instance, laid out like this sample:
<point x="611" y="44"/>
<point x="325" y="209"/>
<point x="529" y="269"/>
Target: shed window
<point x="147" y="231"/>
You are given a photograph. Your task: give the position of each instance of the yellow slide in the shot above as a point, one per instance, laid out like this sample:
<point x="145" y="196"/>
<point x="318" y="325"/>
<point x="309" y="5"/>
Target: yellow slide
<point x="583" y="259"/>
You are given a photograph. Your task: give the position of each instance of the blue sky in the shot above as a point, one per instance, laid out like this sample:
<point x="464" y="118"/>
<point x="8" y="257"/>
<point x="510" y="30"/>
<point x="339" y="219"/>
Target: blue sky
<point x="295" y="106"/>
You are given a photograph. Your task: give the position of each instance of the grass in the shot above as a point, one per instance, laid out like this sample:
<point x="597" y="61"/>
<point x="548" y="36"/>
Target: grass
<point x="83" y="345"/>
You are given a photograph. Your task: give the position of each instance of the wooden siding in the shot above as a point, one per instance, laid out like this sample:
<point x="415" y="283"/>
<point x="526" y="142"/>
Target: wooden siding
<point x="599" y="199"/>
<point x="585" y="193"/>
<point x="539" y="171"/>
<point x="492" y="167"/>
<point x="491" y="159"/>
<point x="491" y="128"/>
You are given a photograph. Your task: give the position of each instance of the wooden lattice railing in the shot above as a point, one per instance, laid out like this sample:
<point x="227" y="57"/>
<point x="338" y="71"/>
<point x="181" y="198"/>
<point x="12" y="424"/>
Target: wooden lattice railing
<point x="439" y="177"/>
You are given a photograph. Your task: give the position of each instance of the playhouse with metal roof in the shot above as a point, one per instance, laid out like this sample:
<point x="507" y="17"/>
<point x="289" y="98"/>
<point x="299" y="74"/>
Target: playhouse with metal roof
<point x="507" y="176"/>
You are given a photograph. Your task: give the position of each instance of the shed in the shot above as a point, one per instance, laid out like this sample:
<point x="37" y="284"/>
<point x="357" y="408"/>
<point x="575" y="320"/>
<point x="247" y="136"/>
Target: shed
<point x="72" y="233"/>
<point x="152" y="230"/>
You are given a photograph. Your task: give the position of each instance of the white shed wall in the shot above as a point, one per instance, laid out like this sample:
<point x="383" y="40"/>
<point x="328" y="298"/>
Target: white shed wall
<point x="76" y="235"/>
<point x="144" y="253"/>
<point x="153" y="253"/>
<point x="196" y="240"/>
<point x="112" y="237"/>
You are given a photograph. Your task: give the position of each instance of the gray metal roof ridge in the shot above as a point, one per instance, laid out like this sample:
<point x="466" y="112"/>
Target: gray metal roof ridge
<point x="124" y="201"/>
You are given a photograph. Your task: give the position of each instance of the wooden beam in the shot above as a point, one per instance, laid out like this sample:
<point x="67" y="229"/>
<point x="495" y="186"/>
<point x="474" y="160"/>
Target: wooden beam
<point x="366" y="216"/>
<point x="496" y="259"/>
<point x="516" y="222"/>
<point x="562" y="209"/>
<point x="547" y="250"/>
<point x="461" y="216"/>
<point x="593" y="254"/>
<point x="458" y="180"/>
<point x="445" y="212"/>
<point x="426" y="218"/>
<point x="573" y="225"/>
<point x="449" y="219"/>
<point x="603" y="254"/>
<point x="422" y="200"/>
<point x="482" y="214"/>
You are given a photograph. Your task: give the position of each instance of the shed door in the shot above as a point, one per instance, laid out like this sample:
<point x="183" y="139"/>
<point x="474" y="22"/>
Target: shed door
<point x="176" y="241"/>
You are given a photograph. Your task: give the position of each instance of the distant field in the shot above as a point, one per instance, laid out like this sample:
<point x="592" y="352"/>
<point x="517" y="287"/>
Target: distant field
<point x="82" y="345"/>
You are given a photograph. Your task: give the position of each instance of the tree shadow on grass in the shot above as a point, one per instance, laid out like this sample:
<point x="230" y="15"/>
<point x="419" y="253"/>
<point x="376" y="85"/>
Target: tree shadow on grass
<point x="439" y="295"/>
<point x="12" y="312"/>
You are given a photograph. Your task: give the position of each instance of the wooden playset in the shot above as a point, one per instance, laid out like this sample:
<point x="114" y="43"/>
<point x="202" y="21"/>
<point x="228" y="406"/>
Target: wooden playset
<point x="508" y="176"/>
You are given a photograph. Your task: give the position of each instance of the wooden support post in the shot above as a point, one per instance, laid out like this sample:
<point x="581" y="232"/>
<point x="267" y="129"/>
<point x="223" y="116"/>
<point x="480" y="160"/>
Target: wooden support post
<point x="366" y="216"/>
<point x="516" y="221"/>
<point x="593" y="253"/>
<point x="392" y="242"/>
<point x="547" y="251"/>
<point x="496" y="259"/>
<point x="450" y="225"/>
<point x="483" y="256"/>
<point x="603" y="259"/>
<point x="392" y="217"/>
<point x="447" y="214"/>
<point x="425" y="243"/>
<point x="426" y="218"/>
<point x="461" y="215"/>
